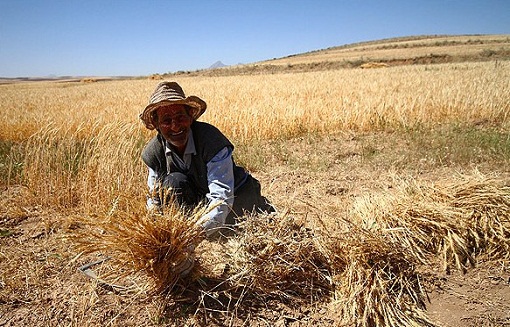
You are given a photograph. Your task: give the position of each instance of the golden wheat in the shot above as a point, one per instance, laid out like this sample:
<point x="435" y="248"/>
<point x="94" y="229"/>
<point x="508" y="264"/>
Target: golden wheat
<point x="459" y="221"/>
<point x="81" y="143"/>
<point x="83" y="140"/>
<point x="280" y="105"/>
<point x="154" y="244"/>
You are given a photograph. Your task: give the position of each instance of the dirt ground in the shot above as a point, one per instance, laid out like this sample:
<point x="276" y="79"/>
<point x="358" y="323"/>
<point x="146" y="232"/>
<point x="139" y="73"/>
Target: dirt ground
<point x="481" y="297"/>
<point x="41" y="286"/>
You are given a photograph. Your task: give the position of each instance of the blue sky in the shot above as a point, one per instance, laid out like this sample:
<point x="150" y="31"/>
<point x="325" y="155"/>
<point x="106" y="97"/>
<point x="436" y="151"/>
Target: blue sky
<point x="128" y="37"/>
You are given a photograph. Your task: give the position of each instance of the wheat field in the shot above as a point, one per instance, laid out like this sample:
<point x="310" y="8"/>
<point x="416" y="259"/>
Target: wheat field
<point x="75" y="149"/>
<point x="85" y="139"/>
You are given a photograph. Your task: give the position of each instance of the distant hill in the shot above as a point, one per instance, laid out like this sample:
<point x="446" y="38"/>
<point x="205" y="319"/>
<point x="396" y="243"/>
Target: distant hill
<point x="398" y="51"/>
<point x="424" y="49"/>
<point x="217" y="64"/>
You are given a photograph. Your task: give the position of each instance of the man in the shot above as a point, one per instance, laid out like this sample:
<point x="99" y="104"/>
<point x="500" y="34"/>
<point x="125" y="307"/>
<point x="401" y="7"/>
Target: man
<point x="194" y="160"/>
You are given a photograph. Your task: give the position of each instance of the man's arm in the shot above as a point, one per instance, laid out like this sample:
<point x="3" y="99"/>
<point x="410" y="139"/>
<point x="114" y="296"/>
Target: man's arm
<point x="220" y="177"/>
<point x="153" y="202"/>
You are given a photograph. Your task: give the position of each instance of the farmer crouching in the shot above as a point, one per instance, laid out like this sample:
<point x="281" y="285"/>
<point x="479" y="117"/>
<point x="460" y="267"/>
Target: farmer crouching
<point x="194" y="161"/>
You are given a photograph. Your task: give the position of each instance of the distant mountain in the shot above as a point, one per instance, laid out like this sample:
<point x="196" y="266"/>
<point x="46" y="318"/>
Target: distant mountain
<point x="217" y="64"/>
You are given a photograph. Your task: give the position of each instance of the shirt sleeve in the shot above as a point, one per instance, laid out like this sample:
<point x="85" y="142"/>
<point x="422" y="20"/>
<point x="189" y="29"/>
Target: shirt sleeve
<point x="152" y="202"/>
<point x="220" y="177"/>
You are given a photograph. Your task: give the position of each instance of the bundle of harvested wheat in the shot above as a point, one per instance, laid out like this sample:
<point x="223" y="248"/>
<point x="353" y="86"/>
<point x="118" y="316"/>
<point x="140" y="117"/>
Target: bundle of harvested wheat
<point x="159" y="245"/>
<point x="275" y="255"/>
<point x="486" y="204"/>
<point x="458" y="221"/>
<point x="378" y="284"/>
<point x="374" y="282"/>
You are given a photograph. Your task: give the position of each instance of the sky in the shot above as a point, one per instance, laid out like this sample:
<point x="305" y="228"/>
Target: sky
<point x="40" y="38"/>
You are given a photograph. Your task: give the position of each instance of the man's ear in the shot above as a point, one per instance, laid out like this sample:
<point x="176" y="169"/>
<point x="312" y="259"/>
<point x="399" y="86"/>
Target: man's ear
<point x="154" y="118"/>
<point x="189" y="111"/>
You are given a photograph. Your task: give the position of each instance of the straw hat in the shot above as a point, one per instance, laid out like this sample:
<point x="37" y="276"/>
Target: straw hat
<point x="167" y="93"/>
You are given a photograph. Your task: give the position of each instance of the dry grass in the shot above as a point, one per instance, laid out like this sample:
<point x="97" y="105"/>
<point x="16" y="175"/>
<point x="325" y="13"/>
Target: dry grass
<point x="89" y="157"/>
<point x="366" y="273"/>
<point x="66" y="167"/>
<point x="370" y="271"/>
<point x="366" y="279"/>
<point x="247" y="107"/>
<point x="370" y="65"/>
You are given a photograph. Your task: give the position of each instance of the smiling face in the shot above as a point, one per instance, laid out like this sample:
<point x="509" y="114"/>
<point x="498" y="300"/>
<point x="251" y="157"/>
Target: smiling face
<point x="174" y="122"/>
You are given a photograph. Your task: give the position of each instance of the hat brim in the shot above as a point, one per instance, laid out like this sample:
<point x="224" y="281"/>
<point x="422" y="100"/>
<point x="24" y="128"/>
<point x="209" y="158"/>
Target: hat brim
<point x="197" y="108"/>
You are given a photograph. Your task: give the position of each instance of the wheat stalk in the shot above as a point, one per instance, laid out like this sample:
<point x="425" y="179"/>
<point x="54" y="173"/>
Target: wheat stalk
<point x="154" y="244"/>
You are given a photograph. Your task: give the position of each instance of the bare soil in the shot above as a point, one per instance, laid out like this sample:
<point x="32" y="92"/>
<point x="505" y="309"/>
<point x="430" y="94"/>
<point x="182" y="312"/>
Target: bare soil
<point x="41" y="286"/>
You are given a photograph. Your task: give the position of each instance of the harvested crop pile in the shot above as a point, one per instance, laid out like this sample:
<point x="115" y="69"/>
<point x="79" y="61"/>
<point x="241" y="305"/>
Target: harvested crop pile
<point x="368" y="281"/>
<point x="457" y="221"/>
<point x="275" y="255"/>
<point x="377" y="284"/>
<point x="159" y="245"/>
<point x="364" y="263"/>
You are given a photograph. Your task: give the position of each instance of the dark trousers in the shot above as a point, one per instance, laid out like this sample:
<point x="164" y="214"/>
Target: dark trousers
<point x="247" y="197"/>
<point x="183" y="190"/>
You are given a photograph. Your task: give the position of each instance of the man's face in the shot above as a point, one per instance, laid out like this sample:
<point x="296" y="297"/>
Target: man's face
<point x="174" y="124"/>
